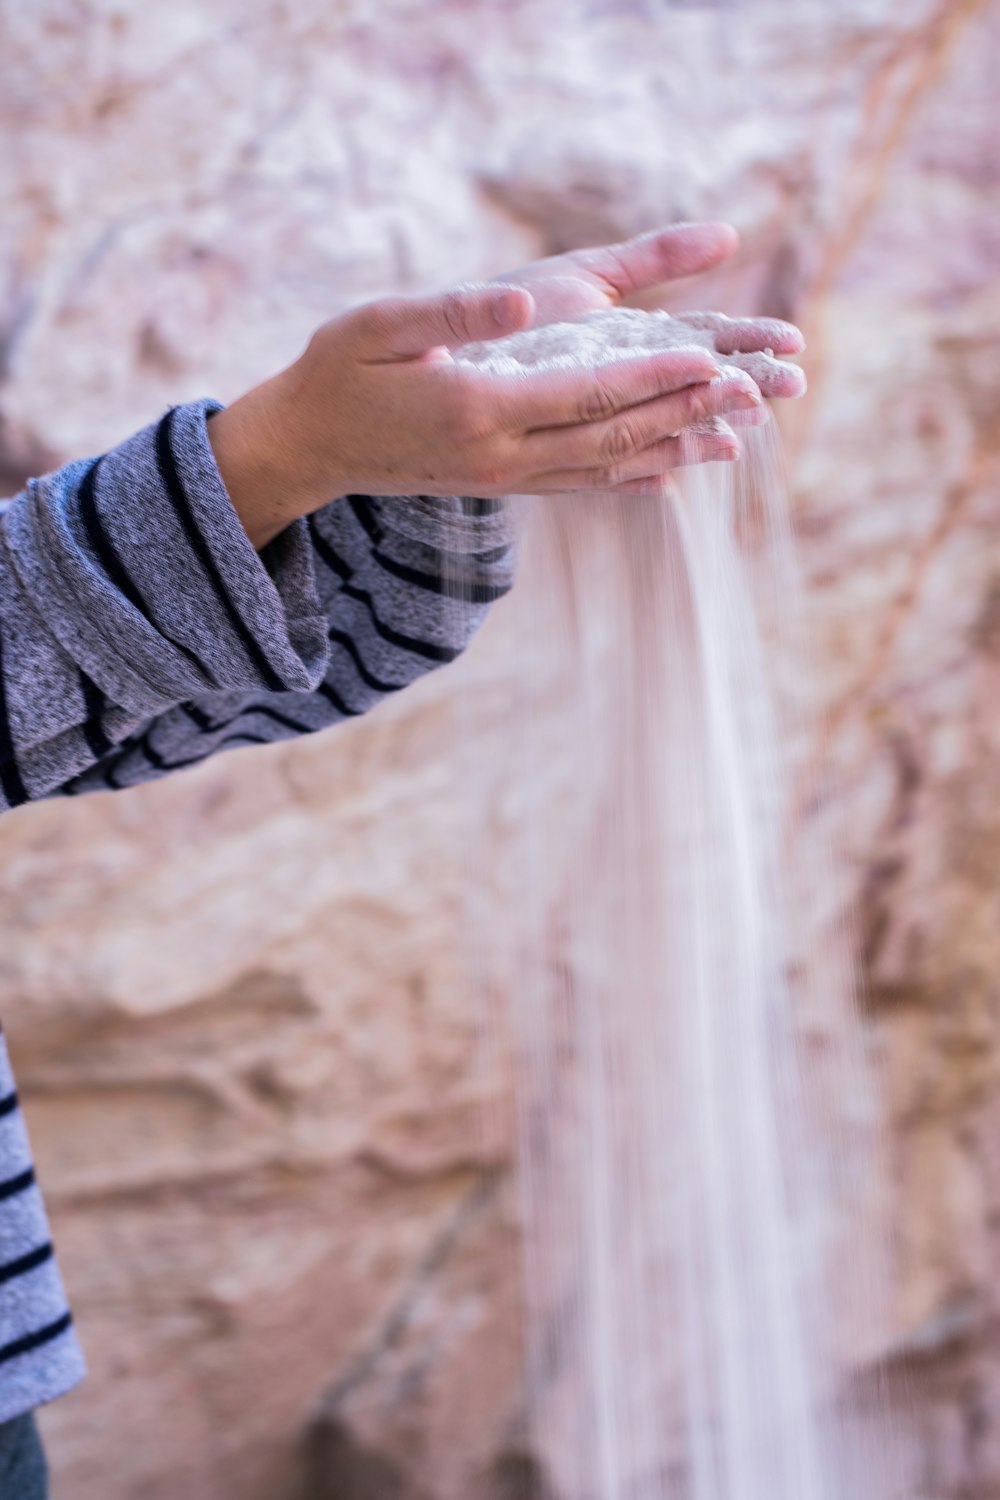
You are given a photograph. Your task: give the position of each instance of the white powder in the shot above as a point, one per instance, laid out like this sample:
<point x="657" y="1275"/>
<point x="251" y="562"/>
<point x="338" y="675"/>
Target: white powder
<point x="597" y="336"/>
<point x="680" y="1152"/>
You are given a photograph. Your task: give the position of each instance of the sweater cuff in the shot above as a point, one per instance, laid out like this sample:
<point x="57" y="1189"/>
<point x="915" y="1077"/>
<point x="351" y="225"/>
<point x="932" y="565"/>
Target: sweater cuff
<point x="140" y="566"/>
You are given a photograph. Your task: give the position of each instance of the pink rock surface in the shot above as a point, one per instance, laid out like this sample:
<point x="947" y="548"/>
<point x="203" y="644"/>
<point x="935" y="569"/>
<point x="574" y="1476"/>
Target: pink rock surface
<point x="239" y="1004"/>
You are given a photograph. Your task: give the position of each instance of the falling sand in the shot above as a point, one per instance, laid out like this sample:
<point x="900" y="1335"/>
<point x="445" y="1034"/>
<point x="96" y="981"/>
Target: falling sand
<point x="698" y="1158"/>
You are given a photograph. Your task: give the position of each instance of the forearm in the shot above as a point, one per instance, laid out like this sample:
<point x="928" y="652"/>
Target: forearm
<point x="262" y="463"/>
<point x="403" y="583"/>
<point x="127" y="585"/>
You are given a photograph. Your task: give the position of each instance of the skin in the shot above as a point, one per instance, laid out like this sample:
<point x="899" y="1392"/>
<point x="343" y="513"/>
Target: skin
<point x="376" y="404"/>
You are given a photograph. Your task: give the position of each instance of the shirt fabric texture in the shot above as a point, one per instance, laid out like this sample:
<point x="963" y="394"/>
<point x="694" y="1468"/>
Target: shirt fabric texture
<point x="140" y="632"/>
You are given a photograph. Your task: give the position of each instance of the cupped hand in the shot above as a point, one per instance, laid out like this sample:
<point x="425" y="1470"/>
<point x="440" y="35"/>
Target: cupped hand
<point x="579" y="281"/>
<point x="376" y="405"/>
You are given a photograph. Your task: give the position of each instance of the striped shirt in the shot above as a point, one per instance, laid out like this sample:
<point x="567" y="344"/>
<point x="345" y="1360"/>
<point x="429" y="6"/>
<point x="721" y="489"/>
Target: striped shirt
<point x="140" y="633"/>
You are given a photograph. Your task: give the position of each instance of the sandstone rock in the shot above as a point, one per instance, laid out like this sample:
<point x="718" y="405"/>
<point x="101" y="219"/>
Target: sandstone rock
<point x="241" y="1004"/>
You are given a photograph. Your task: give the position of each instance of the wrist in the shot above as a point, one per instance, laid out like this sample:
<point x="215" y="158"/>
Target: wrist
<point x="261" y="463"/>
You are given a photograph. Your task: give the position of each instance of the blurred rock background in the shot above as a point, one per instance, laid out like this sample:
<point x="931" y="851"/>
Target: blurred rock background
<point x="275" y="1151"/>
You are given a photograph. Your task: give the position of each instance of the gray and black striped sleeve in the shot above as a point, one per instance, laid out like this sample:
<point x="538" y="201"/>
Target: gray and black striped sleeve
<point x="40" y="1355"/>
<point x="140" y="632"/>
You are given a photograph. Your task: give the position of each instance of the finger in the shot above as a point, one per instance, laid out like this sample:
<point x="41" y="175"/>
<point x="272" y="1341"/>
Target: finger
<point x="746" y="335"/>
<point x="773" y="376"/>
<point x="659" y="486"/>
<point x="660" y="255"/>
<point x="616" y="441"/>
<point x="669" y="454"/>
<point x="553" y="398"/>
<point x="402" y="327"/>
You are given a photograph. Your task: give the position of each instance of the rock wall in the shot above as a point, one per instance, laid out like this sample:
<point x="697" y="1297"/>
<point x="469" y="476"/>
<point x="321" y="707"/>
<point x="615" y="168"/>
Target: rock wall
<point x="275" y="1148"/>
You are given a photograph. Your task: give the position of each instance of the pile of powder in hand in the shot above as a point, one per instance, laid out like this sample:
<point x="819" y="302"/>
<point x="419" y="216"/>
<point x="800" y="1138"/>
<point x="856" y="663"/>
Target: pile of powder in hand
<point x="683" y="1169"/>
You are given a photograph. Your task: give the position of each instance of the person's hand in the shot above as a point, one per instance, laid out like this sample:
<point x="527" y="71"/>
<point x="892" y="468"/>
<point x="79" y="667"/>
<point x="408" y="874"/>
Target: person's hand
<point x="564" y="286"/>
<point x="376" y="405"/>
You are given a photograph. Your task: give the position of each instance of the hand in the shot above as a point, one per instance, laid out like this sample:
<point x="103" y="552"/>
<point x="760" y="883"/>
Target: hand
<point x="564" y="286"/>
<point x="376" y="405"/>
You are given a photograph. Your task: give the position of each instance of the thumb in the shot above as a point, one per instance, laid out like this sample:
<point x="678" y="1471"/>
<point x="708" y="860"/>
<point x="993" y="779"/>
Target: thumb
<point x="401" y="327"/>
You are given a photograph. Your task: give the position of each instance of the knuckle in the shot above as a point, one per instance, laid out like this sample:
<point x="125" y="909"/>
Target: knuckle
<point x="621" y="440"/>
<point x="468" y="412"/>
<point x="374" y="319"/>
<point x="609" y="477"/>
<point x="491" y="473"/>
<point x="456" y="316"/>
<point x="698" y="404"/>
<point x="599" y="403"/>
<point x="486" y="458"/>
<point x="315" y="349"/>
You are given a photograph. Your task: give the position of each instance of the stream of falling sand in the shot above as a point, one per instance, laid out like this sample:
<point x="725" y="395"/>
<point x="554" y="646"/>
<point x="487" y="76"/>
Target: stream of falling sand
<point x="688" y="1159"/>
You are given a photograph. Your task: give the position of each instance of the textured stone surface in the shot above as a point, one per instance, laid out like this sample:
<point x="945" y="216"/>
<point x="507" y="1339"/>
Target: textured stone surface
<point x="239" y="1003"/>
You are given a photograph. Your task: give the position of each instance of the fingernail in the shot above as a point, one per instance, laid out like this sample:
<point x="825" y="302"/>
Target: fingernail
<point x="741" y="399"/>
<point x="724" y="454"/>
